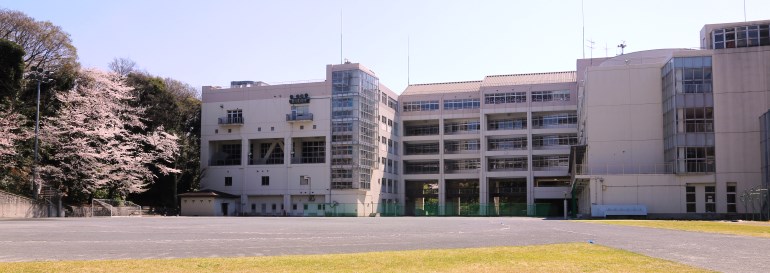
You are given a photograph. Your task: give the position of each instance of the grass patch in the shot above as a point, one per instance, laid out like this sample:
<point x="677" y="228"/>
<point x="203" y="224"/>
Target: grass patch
<point x="574" y="257"/>
<point x="756" y="229"/>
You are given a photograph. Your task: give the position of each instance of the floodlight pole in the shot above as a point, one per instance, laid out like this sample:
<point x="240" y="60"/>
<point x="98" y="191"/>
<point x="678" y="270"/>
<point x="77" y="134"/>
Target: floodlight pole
<point x="39" y="75"/>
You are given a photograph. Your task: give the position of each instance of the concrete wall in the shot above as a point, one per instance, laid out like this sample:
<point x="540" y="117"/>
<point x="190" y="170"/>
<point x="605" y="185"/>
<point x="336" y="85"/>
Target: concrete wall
<point x="16" y="206"/>
<point x="741" y="96"/>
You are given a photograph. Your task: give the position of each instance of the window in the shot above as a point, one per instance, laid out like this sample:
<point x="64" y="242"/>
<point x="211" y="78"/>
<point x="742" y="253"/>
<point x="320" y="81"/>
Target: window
<point x="507" y="144"/>
<point x="421" y="130"/>
<point x="553" y="141"/>
<point x="304" y="180"/>
<point x="421" y="148"/>
<point x="469" y="126"/>
<point x="228" y="181"/>
<point x="690" y="198"/>
<point x="556" y="120"/>
<point x="233" y="117"/>
<point x="507" y="164"/>
<point x="226" y="154"/>
<point x="462" y="146"/>
<point x="421" y="167"/>
<point x="390" y="122"/>
<point x="393" y="104"/>
<point x="384" y="140"/>
<point x="463" y="165"/>
<point x="501" y="98"/>
<point x="460" y="104"/>
<point x="698" y="120"/>
<point x="417" y="106"/>
<point x="272" y="128"/>
<point x="507" y="124"/>
<point x="710" y="195"/>
<point x="342" y="102"/>
<point x="275" y="157"/>
<point x="741" y="36"/>
<point x="265" y="181"/>
<point x="543" y="96"/>
<point x="342" y="126"/>
<point x="731" y="193"/>
<point x="384" y="119"/>
<point x="342" y="150"/>
<point x="550" y="162"/>
<point x="697" y="159"/>
<point x="313" y="152"/>
<point x="384" y="98"/>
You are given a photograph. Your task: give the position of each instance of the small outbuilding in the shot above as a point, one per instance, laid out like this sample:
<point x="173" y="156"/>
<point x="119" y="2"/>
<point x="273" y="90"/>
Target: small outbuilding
<point x="208" y="203"/>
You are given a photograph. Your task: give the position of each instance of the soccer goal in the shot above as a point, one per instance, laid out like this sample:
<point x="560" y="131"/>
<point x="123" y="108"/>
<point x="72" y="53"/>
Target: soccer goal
<point x="107" y="207"/>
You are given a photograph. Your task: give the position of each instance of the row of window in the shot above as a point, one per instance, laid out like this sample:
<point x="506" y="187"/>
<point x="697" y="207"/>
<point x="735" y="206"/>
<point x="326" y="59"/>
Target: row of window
<point x="389" y="185"/>
<point x="742" y="36"/>
<point x="229" y="181"/>
<point x="389" y="101"/>
<point x="539" y="163"/>
<point x="493" y="144"/>
<point x="496" y="98"/>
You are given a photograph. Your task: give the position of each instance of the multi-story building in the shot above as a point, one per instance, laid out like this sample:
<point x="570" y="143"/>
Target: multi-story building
<point x="315" y="148"/>
<point x="491" y="147"/>
<point x="675" y="132"/>
<point x="664" y="132"/>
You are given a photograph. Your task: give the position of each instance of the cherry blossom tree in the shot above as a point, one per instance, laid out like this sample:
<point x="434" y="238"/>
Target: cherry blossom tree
<point x="11" y="132"/>
<point x="99" y="141"/>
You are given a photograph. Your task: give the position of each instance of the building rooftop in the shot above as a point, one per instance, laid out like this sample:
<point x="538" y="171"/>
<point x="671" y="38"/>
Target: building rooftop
<point x="444" y="87"/>
<point x="530" y="78"/>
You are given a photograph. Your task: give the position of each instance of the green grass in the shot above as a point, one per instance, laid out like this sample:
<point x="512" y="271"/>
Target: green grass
<point x="756" y="229"/>
<point x="574" y="257"/>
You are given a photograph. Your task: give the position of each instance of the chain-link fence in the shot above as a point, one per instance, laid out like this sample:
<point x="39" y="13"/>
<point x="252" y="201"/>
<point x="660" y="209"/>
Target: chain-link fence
<point x="756" y="204"/>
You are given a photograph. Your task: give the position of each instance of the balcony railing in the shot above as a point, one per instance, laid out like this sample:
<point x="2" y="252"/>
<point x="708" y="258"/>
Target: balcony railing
<point x="509" y="190"/>
<point x="299" y="117"/>
<point x="621" y="169"/>
<point x="231" y="120"/>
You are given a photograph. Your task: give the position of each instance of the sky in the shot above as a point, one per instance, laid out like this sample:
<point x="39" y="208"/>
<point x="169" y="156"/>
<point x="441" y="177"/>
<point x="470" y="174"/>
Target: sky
<point x="215" y="42"/>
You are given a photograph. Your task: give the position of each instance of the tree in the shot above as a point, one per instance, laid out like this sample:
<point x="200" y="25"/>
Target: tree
<point x="11" y="132"/>
<point x="174" y="106"/>
<point x="46" y="45"/>
<point x="11" y="70"/>
<point x="122" y="66"/>
<point x="98" y="140"/>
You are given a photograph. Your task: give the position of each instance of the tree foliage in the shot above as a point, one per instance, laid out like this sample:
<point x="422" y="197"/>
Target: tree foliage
<point x="98" y="140"/>
<point x="46" y="45"/>
<point x="11" y="70"/>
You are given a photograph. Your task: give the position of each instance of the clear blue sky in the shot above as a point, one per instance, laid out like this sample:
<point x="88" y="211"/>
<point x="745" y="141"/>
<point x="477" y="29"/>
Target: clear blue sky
<point x="214" y="42"/>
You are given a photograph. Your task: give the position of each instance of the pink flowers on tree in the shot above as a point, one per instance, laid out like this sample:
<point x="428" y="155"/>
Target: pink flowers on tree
<point x="98" y="139"/>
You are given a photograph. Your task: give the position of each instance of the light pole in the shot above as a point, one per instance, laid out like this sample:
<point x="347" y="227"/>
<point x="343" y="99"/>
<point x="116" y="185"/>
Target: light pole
<point x="41" y="76"/>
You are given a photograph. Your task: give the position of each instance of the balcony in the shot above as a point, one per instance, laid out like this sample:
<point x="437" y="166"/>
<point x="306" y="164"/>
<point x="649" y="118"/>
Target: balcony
<point x="231" y="121"/>
<point x="299" y="117"/>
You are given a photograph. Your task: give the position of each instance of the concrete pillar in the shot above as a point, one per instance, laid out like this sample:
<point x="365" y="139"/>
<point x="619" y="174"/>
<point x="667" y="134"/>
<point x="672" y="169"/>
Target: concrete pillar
<point x="286" y="204"/>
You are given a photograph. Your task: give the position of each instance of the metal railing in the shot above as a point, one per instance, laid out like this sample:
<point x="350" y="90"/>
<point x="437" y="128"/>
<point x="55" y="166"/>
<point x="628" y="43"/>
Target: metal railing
<point x="299" y="117"/>
<point x="585" y="169"/>
<point x="230" y="120"/>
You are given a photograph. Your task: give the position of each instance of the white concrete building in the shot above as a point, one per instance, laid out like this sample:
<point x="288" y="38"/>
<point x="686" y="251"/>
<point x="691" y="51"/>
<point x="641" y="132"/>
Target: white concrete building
<point x="666" y="132"/>
<point x="303" y="149"/>
<point x="675" y="131"/>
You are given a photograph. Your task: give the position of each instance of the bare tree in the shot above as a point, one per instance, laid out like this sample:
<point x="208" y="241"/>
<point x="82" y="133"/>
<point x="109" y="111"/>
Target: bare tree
<point x="122" y="66"/>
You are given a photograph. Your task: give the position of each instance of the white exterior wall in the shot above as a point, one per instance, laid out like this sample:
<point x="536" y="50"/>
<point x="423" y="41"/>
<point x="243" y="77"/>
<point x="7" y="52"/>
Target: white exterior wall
<point x="264" y="117"/>
<point x="741" y="96"/>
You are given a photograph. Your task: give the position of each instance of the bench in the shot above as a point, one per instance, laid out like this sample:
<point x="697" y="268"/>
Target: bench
<point x="618" y="210"/>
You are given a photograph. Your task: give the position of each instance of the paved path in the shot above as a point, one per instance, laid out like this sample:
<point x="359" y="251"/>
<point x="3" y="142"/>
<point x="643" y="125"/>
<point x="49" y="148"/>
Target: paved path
<point x="176" y="237"/>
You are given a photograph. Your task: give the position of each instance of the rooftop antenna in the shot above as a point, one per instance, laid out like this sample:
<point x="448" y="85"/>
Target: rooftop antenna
<point x="408" y="60"/>
<point x="622" y="47"/>
<point x="341" y="36"/>
<point x="605" y="49"/>
<point x="591" y="46"/>
<point x="583" y="16"/>
<point x="744" y="10"/>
